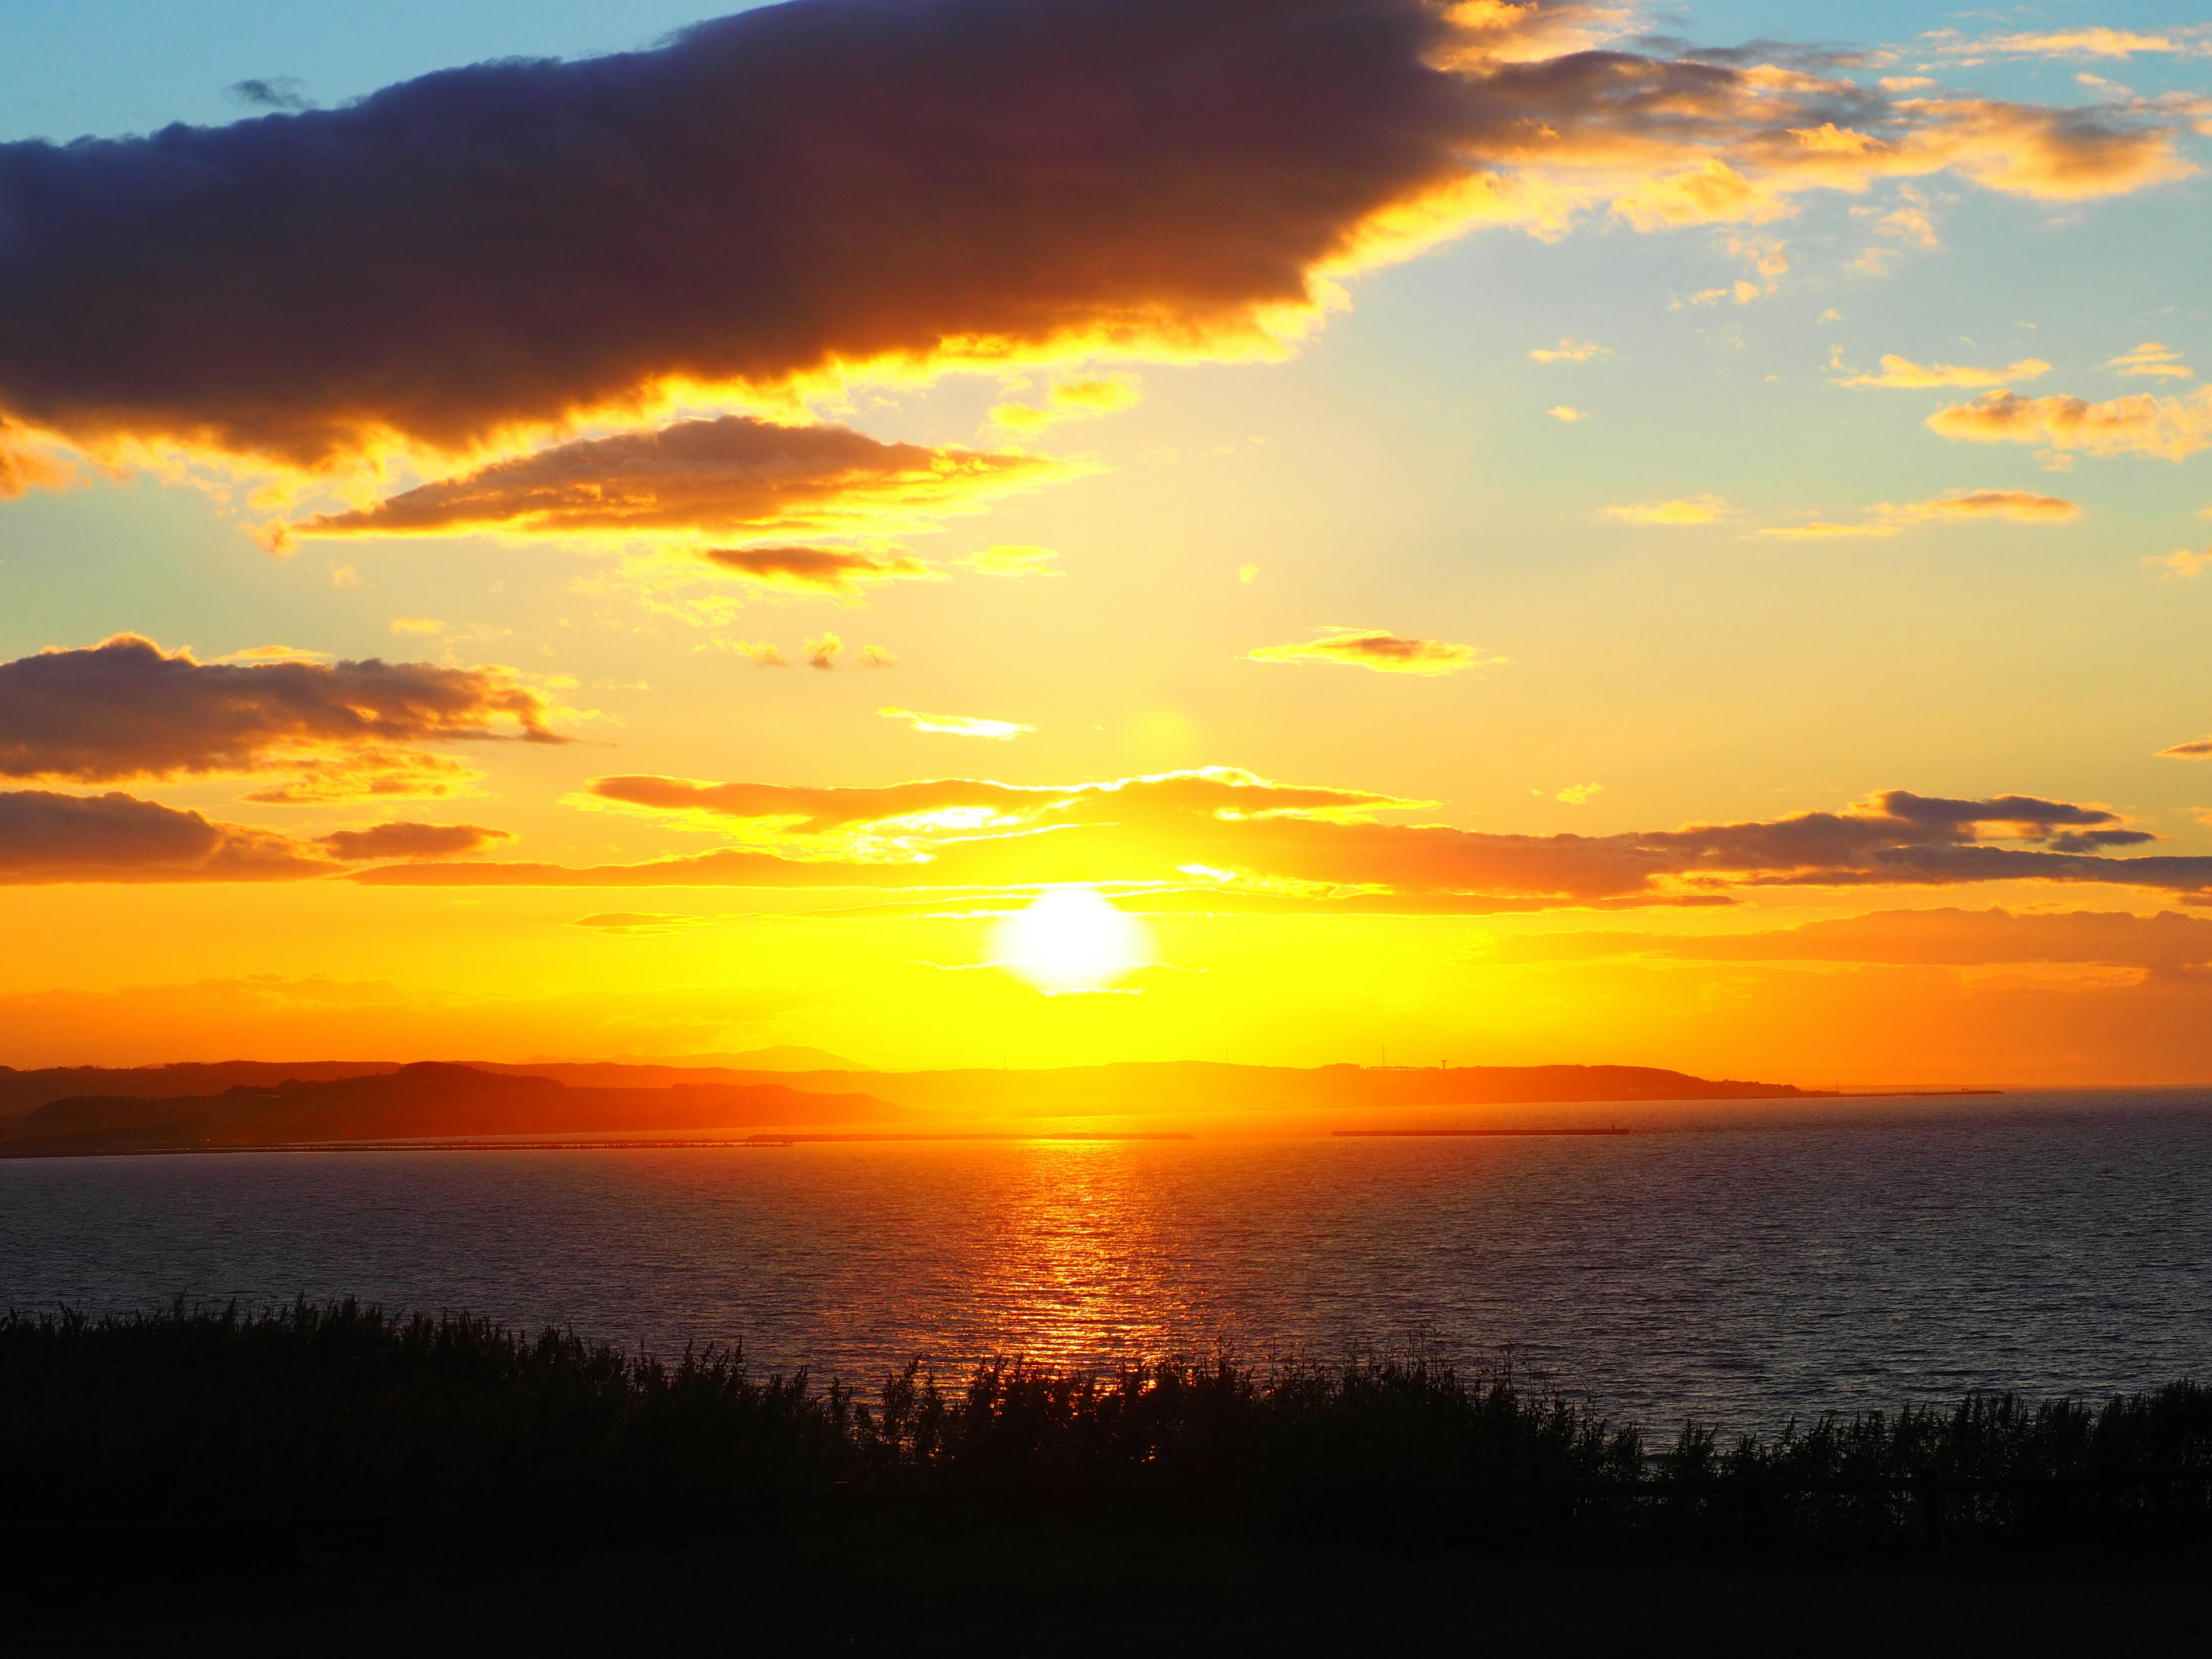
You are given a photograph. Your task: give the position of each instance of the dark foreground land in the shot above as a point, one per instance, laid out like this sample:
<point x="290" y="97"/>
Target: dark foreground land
<point x="334" y="1481"/>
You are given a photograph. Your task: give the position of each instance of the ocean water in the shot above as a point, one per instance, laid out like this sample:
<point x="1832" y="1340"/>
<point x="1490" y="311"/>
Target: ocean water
<point x="2057" y="1243"/>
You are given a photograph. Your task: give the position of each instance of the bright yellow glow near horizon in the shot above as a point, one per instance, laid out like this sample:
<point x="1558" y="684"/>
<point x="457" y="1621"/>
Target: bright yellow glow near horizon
<point x="1071" y="938"/>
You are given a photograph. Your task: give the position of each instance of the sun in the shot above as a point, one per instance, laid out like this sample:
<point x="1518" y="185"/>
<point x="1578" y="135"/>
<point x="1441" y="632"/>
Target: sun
<point x="1070" y="939"/>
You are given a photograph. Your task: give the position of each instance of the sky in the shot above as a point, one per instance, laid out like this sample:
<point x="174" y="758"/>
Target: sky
<point x="1491" y="533"/>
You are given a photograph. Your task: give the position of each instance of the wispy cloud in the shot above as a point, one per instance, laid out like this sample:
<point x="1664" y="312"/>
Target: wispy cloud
<point x="843" y="571"/>
<point x="1570" y="350"/>
<point x="1889" y="518"/>
<point x="1380" y="649"/>
<point x="1700" y="509"/>
<point x="2151" y="361"/>
<point x="957" y="726"/>
<point x="1907" y="375"/>
<point x="1070" y="398"/>
<point x="1013" y="561"/>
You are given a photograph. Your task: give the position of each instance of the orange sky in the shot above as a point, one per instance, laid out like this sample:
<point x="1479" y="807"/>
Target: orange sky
<point x="1495" y="533"/>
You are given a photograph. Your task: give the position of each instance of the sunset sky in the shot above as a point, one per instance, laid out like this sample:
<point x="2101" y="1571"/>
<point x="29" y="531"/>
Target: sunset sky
<point x="1519" y="533"/>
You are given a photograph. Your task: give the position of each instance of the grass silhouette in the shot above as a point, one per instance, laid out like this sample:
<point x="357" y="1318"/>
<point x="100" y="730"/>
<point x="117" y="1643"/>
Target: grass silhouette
<point x="346" y="1416"/>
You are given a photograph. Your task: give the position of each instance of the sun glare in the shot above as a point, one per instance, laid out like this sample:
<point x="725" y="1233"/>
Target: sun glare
<point x="1071" y="938"/>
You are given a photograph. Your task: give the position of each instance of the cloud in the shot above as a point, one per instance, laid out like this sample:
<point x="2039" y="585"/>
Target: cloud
<point x="1069" y="398"/>
<point x="1570" y="351"/>
<point x="124" y="708"/>
<point x="417" y="625"/>
<point x="2021" y="506"/>
<point x="822" y="652"/>
<point x="956" y="726"/>
<point x="2171" y="428"/>
<point x="763" y="654"/>
<point x="1711" y="193"/>
<point x="2168" y="942"/>
<point x="1220" y="839"/>
<point x="410" y="841"/>
<point x="800" y="195"/>
<point x="730" y="476"/>
<point x="1012" y="560"/>
<point x="46" y="837"/>
<point x="1247" y="574"/>
<point x="838" y="570"/>
<point x="1379" y="650"/>
<point x="2151" y="361"/>
<point x="2088" y="40"/>
<point x="2182" y="563"/>
<point x="22" y="469"/>
<point x="1904" y="374"/>
<point x="632" y="922"/>
<point x="2201" y="749"/>
<point x="1704" y="509"/>
<point x="1580" y="794"/>
<point x="281" y="92"/>
<point x="1568" y="413"/>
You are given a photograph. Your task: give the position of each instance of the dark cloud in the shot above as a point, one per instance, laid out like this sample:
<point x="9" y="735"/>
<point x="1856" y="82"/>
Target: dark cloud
<point x="125" y="709"/>
<point x="48" y="837"/>
<point x="410" y="841"/>
<point x="807" y="188"/>
<point x="730" y="476"/>
<point x="278" y="92"/>
<point x="1260" y="845"/>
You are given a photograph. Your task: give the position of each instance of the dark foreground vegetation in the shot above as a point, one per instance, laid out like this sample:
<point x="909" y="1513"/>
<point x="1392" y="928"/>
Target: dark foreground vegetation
<point x="318" y="1444"/>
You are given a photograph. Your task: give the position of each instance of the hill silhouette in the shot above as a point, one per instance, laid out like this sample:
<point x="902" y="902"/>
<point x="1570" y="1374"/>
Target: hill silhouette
<point x="427" y="1100"/>
<point x="259" y="1103"/>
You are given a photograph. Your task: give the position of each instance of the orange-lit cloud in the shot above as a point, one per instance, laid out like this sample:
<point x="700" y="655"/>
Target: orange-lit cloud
<point x="2151" y="361"/>
<point x="802" y="194"/>
<point x="1381" y="650"/>
<point x="957" y="726"/>
<point x="1568" y="413"/>
<point x="1219" y="839"/>
<point x="125" y="709"/>
<point x="840" y="570"/>
<point x="1070" y="398"/>
<point x="1703" y="510"/>
<point x="730" y="476"/>
<point x="410" y="841"/>
<point x="1904" y="373"/>
<point x="1889" y="518"/>
<point x="2173" y="429"/>
<point x="22" y="469"/>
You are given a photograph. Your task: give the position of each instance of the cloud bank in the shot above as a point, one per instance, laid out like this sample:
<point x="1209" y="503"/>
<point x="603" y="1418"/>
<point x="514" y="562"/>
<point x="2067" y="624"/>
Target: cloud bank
<point x="465" y="261"/>
<point x="1220" y="838"/>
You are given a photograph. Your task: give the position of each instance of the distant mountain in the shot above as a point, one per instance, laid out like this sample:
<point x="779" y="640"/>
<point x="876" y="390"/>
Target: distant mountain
<point x="425" y="1101"/>
<point x="244" y="1103"/>
<point x="784" y="1057"/>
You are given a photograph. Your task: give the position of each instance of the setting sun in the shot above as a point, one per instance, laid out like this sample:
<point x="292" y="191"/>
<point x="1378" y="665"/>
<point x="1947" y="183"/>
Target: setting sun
<point x="1070" y="939"/>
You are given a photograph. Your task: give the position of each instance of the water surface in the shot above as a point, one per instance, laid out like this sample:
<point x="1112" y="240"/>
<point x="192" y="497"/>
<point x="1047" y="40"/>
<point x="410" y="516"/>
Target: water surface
<point x="2053" y="1243"/>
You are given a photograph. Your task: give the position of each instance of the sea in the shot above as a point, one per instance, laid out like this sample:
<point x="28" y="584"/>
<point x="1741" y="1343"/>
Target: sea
<point x="1735" y="1274"/>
